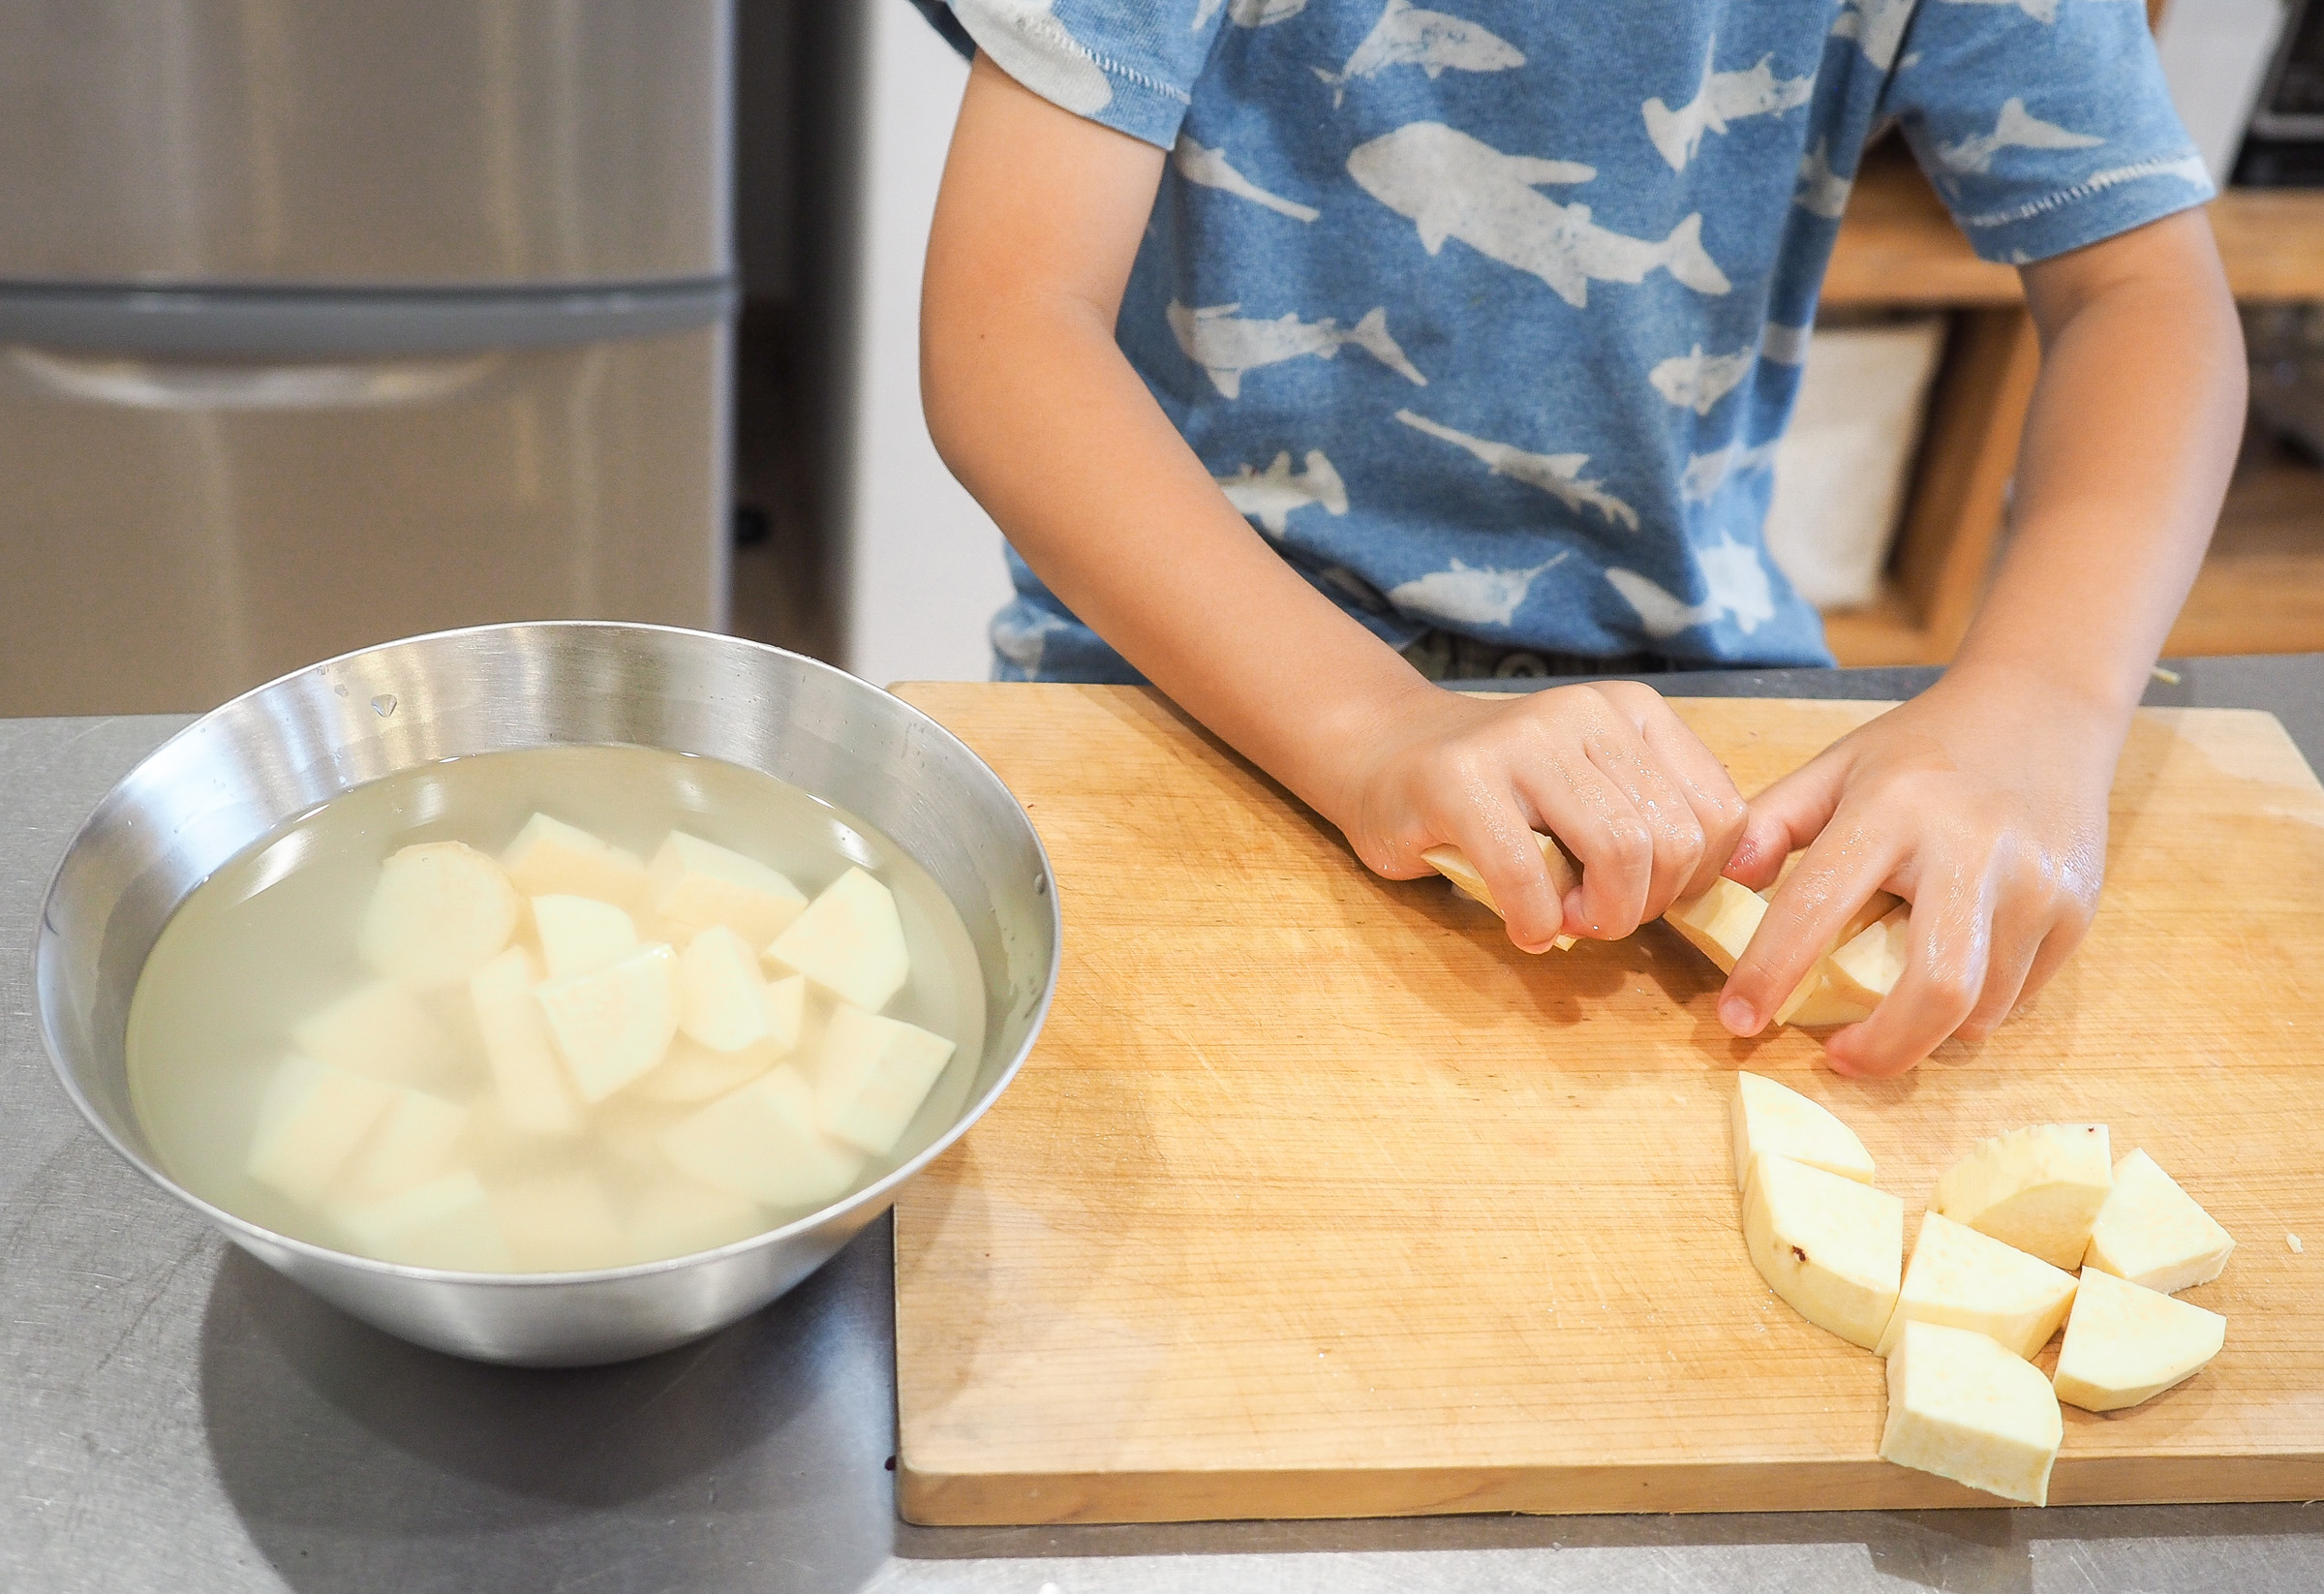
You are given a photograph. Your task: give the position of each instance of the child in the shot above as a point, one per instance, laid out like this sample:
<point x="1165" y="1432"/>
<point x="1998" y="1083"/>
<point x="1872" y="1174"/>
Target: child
<point x="1304" y="349"/>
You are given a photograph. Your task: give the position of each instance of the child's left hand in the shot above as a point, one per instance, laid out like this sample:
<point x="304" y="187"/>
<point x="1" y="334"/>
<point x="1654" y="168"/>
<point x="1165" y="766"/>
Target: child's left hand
<point x="1983" y="804"/>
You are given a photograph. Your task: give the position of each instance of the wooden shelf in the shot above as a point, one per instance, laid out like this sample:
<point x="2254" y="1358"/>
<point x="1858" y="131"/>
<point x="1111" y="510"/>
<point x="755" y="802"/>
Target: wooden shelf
<point x="1899" y="249"/>
<point x="2262" y="590"/>
<point x="1887" y="633"/>
<point x="2273" y="242"/>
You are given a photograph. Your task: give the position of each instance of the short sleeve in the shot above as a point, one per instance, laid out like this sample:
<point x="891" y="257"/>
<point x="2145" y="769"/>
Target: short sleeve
<point x="2045" y="124"/>
<point x="1128" y="64"/>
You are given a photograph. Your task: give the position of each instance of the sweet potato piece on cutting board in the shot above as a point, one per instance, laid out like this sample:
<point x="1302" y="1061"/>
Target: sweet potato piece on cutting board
<point x="1962" y="1407"/>
<point x="2125" y="1343"/>
<point x="1964" y="1280"/>
<point x="2038" y="1188"/>
<point x="2152" y="1233"/>
<point x="1834" y="1250"/>
<point x="1772" y="1118"/>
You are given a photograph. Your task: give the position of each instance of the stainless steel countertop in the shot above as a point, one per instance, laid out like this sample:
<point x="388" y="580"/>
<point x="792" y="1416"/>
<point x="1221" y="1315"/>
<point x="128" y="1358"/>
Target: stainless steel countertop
<point x="175" y="1417"/>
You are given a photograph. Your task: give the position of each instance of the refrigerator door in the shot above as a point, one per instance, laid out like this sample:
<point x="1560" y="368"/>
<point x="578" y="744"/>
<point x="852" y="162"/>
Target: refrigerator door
<point x="417" y="143"/>
<point x="195" y="526"/>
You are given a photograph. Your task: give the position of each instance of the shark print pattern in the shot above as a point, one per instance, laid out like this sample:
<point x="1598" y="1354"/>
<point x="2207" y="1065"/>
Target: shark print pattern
<point x="2044" y="12"/>
<point x="1722" y="97"/>
<point x="1453" y="186"/>
<point x="1821" y="188"/>
<point x="2016" y="129"/>
<point x="1021" y="638"/>
<point x="1462" y="595"/>
<point x="1738" y="578"/>
<point x="1696" y="380"/>
<point x="1604" y="237"/>
<point x="1249" y="14"/>
<point x="1878" y="26"/>
<point x="1027" y="41"/>
<point x="1706" y="474"/>
<point x="1558" y="475"/>
<point x="1435" y="42"/>
<point x="1210" y="168"/>
<point x="1226" y="347"/>
<point x="1271" y="496"/>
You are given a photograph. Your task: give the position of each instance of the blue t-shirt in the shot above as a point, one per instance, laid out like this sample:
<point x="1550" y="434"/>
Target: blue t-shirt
<point x="1486" y="315"/>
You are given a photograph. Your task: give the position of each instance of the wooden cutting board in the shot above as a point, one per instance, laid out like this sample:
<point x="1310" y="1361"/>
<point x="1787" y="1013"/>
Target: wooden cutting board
<point x="1318" y="1198"/>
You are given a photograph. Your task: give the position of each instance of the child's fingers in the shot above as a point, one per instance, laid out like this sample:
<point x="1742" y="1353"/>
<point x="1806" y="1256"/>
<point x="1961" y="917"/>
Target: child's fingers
<point x="1719" y="809"/>
<point x="2005" y="980"/>
<point x="2034" y="932"/>
<point x="1495" y="835"/>
<point x="2016" y="941"/>
<point x="2056" y="947"/>
<point x="1608" y="838"/>
<point x="1950" y="952"/>
<point x="1673" y="831"/>
<point x="1785" y="817"/>
<point x="1838" y="875"/>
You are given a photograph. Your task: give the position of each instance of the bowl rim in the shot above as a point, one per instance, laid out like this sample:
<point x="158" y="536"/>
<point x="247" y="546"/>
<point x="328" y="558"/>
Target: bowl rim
<point x="871" y="1195"/>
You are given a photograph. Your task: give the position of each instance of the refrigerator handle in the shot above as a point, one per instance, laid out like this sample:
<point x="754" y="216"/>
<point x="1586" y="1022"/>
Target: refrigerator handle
<point x="324" y="324"/>
<point x="243" y="385"/>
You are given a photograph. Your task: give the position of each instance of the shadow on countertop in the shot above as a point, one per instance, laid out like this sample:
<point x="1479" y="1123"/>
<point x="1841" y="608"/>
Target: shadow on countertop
<point x="361" y="1463"/>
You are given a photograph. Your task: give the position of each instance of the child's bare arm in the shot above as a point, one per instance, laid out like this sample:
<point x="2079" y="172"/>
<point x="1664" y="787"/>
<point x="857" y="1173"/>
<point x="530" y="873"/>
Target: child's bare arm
<point x="1984" y="800"/>
<point x="1036" y="411"/>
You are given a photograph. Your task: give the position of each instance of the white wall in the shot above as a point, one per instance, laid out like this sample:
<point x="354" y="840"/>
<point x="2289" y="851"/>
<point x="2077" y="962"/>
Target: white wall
<point x="923" y="562"/>
<point x="2216" y="55"/>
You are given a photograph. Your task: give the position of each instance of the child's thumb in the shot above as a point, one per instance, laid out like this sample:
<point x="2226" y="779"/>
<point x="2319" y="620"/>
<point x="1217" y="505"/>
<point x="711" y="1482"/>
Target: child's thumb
<point x="1785" y="817"/>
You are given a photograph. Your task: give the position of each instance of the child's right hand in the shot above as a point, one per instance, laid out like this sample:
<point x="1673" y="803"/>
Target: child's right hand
<point x="1634" y="795"/>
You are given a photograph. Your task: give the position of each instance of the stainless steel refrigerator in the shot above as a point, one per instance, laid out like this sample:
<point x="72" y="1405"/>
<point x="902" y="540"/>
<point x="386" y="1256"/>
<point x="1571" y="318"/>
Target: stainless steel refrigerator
<point x="324" y="322"/>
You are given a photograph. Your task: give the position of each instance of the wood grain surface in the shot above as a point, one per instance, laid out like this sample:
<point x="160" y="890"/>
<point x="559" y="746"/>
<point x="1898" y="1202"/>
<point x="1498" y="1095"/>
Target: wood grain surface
<point x="1319" y="1198"/>
<point x="1899" y="248"/>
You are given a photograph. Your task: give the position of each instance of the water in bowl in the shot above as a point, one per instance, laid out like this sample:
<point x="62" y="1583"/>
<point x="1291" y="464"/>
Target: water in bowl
<point x="271" y="940"/>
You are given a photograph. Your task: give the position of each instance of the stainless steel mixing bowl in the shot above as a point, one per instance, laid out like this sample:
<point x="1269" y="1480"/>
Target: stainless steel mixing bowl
<point x="238" y="772"/>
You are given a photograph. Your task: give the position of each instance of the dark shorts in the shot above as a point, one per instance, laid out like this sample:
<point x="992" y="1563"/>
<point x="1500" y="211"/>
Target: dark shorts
<point x="1446" y="655"/>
